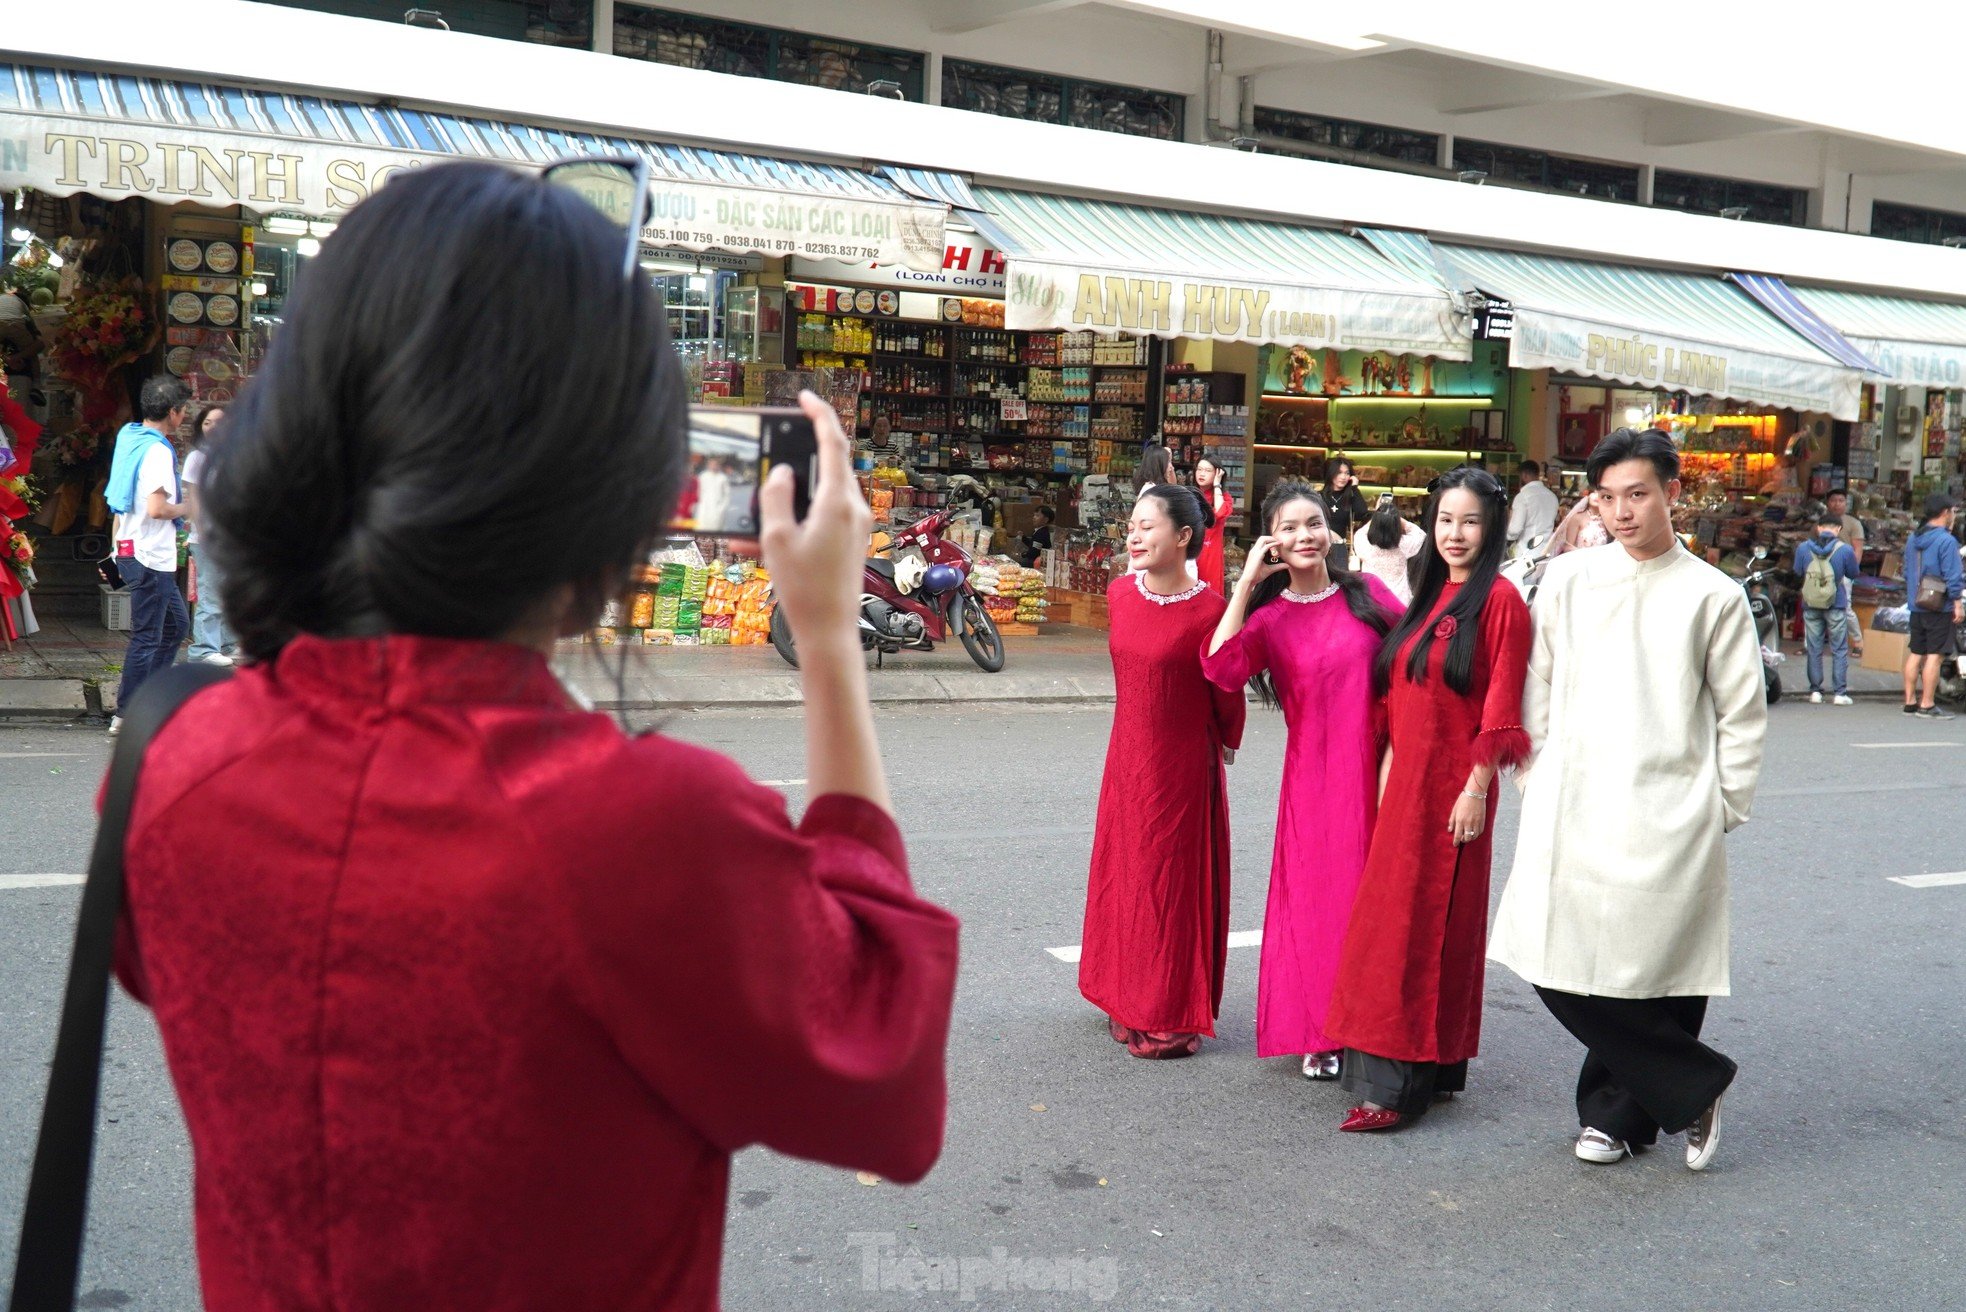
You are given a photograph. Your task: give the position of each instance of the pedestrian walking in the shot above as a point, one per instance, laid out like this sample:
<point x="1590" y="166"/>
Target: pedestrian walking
<point x="1616" y="909"/>
<point x="1852" y="532"/>
<point x="1828" y="567"/>
<point x="1532" y="514"/>
<point x="468" y="995"/>
<point x="1209" y="565"/>
<point x="212" y="640"/>
<point x="1305" y="635"/>
<point x="1344" y="508"/>
<point x="1407" y="1006"/>
<point x="1386" y="546"/>
<point x="1156" y="937"/>
<point x="144" y="493"/>
<point x="1935" y="583"/>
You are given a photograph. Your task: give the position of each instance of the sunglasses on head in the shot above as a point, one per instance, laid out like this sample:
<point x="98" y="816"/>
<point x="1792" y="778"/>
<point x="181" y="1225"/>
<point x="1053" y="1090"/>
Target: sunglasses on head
<point x="617" y="186"/>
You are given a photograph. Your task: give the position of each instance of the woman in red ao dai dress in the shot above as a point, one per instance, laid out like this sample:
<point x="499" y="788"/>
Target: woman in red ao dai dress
<point x="1157" y="901"/>
<point x="1407" y="1005"/>
<point x="1209" y="566"/>
<point x="1307" y="636"/>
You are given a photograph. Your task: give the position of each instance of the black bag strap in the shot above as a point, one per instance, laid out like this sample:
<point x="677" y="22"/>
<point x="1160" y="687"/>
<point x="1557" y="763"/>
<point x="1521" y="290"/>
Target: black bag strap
<point x="50" y="1256"/>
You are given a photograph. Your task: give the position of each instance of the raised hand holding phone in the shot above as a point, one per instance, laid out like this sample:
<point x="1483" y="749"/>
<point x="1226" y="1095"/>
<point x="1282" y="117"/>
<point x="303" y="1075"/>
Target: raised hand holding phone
<point x="815" y="569"/>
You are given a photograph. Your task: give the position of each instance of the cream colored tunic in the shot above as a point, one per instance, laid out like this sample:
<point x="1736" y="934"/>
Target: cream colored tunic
<point x="1646" y="707"/>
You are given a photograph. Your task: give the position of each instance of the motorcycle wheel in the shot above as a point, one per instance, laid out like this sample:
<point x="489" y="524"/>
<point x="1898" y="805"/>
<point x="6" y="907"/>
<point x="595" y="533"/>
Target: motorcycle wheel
<point x="781" y="638"/>
<point x="980" y="637"/>
<point x="1774" y="681"/>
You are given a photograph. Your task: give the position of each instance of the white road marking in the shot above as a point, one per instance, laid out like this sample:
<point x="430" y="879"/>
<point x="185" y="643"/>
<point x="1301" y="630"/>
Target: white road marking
<point x="39" y="881"/>
<point x="1930" y="881"/>
<point x="782" y="783"/>
<point x="1241" y="938"/>
<point x="1872" y="747"/>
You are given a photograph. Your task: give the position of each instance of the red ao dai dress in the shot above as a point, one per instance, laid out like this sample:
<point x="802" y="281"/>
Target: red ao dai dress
<point x="1410" y="976"/>
<point x="1157" y="900"/>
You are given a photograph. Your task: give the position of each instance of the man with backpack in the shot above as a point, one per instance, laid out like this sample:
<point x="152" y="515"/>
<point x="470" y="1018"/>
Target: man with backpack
<point x="1827" y="566"/>
<point x="1935" y="588"/>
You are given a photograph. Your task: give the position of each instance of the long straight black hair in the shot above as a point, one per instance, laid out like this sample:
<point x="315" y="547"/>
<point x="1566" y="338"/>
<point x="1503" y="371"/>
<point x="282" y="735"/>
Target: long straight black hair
<point x="1357" y="593"/>
<point x="1430" y="580"/>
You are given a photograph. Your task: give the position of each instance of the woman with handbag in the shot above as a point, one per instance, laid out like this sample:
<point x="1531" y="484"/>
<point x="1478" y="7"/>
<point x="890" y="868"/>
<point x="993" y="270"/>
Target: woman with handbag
<point x="469" y="995"/>
<point x="1935" y="583"/>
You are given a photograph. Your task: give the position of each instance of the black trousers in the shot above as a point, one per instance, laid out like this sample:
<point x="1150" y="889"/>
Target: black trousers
<point x="1406" y="1087"/>
<point x="1646" y="1071"/>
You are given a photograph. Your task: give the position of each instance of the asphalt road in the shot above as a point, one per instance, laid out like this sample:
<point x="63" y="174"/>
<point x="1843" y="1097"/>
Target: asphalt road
<point x="1074" y="1174"/>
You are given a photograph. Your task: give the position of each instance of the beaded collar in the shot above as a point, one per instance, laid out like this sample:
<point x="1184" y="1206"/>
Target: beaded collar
<point x="1140" y="582"/>
<point x="1302" y="600"/>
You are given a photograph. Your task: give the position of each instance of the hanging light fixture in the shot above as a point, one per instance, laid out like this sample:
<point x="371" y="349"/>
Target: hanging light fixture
<point x="320" y="227"/>
<point x="287" y="225"/>
<point x="308" y="247"/>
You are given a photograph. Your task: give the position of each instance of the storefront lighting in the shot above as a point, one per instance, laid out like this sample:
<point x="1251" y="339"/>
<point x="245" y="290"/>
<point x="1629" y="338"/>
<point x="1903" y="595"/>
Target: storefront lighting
<point x="308" y="247"/>
<point x="21" y="234"/>
<point x="1634" y="416"/>
<point x="287" y="225"/>
<point x="55" y="261"/>
<point x="259" y="288"/>
<point x="320" y="227"/>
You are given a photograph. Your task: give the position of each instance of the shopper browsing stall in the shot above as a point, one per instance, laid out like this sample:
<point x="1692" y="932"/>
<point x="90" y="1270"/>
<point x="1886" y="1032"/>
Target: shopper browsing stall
<point x="1305" y="635"/>
<point x="212" y="639"/>
<point x="1935" y="583"/>
<point x="1157" y="898"/>
<point x="1828" y="567"/>
<point x="147" y="498"/>
<point x="1407" y="1006"/>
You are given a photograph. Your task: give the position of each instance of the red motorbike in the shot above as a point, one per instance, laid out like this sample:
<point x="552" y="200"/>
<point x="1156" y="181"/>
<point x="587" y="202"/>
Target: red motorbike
<point x="913" y="596"/>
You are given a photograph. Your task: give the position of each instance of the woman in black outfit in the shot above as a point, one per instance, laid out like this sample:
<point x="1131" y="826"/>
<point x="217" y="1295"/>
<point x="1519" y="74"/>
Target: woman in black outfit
<point x="1344" y="509"/>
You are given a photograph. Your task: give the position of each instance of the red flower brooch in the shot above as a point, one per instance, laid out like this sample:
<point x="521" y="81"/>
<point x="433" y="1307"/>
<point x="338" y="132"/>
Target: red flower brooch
<point x="1447" y="627"/>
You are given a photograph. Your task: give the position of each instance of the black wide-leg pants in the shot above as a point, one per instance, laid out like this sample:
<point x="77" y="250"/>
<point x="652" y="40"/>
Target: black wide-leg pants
<point x="1646" y="1071"/>
<point x="1406" y="1087"/>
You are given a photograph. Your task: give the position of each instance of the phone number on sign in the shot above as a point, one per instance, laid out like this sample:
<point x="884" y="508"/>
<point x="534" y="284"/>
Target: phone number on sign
<point x="741" y="242"/>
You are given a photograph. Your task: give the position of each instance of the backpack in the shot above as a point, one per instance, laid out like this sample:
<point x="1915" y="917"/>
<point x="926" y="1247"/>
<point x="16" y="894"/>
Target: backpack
<point x="1819" y="581"/>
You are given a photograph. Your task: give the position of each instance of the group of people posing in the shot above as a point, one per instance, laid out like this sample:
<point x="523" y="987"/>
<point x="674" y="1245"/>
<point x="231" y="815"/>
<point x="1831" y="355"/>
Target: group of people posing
<point x="1401" y="711"/>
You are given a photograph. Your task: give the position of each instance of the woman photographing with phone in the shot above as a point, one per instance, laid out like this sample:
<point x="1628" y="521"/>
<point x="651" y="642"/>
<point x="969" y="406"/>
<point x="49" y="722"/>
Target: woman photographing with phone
<point x="468" y="995"/>
<point x="1305" y="634"/>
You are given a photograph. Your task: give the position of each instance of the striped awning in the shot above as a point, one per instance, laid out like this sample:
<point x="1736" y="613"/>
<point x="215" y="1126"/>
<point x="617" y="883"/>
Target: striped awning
<point x="1781" y="301"/>
<point x="1914" y="343"/>
<point x="118" y="135"/>
<point x="1653" y="328"/>
<point x="951" y="189"/>
<point x="1091" y="264"/>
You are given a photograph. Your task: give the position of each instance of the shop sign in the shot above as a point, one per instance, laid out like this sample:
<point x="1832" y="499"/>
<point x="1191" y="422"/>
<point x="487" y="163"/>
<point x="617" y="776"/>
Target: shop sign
<point x="169" y="164"/>
<point x="1495" y="322"/>
<point x="1663" y="363"/>
<point x="1916" y="364"/>
<point x="968" y="267"/>
<point x="1046" y="297"/>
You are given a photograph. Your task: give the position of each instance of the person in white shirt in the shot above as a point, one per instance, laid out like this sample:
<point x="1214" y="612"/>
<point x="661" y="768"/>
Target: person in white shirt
<point x="1533" y="513"/>
<point x="144" y="494"/>
<point x="212" y="640"/>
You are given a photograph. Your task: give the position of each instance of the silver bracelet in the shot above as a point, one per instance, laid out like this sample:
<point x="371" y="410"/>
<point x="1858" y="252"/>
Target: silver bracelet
<point x="1469" y="792"/>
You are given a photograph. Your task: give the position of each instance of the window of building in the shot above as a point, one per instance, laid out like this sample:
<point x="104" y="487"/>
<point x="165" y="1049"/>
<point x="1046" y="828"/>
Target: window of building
<point x="1047" y="98"/>
<point x="1536" y="168"/>
<point x="548" y="22"/>
<point x="1910" y="223"/>
<point x="747" y="50"/>
<point x="1764" y="202"/>
<point x="1344" y="134"/>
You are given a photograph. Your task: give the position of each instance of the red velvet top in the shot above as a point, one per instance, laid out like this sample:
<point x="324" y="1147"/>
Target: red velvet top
<point x="468" y="997"/>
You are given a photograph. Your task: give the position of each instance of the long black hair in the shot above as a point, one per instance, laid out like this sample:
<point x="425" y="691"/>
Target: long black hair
<point x="1156" y="466"/>
<point x="1430" y="580"/>
<point x="1357" y="593"/>
<point x="436" y="445"/>
<point x="1185" y="508"/>
<point x="1386" y="527"/>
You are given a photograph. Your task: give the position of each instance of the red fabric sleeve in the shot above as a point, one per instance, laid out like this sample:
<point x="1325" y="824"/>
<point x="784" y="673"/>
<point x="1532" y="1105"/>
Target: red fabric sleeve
<point x="1231" y="714"/>
<point x="1242" y="657"/>
<point x="773" y="984"/>
<point x="1505" y="637"/>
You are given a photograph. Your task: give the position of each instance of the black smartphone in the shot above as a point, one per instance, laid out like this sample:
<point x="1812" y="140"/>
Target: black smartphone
<point x="732" y="450"/>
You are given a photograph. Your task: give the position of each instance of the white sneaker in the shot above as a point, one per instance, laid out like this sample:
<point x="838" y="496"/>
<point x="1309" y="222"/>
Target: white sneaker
<point x="1597" y="1146"/>
<point x="1842" y="700"/>
<point x="1703" y="1139"/>
<point x="1322" y="1065"/>
<point x="115" y="725"/>
<point x="216" y="658"/>
<point x="1815" y="699"/>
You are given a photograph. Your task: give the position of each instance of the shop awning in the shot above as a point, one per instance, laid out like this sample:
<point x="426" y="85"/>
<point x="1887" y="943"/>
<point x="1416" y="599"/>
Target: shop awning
<point x="1087" y="264"/>
<point x="112" y="135"/>
<point x="951" y="189"/>
<point x="1914" y="343"/>
<point x="1780" y="300"/>
<point x="1651" y="328"/>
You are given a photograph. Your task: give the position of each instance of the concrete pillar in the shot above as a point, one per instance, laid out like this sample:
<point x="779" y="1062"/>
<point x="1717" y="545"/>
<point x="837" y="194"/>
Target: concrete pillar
<point x="1648" y="175"/>
<point x="603" y="27"/>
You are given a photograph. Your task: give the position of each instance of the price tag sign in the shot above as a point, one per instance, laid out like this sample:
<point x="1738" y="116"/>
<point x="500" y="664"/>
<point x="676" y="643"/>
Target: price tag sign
<point x="1015" y="408"/>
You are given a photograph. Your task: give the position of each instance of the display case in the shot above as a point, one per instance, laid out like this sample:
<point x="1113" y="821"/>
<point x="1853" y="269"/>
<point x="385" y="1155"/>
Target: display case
<point x="754" y="324"/>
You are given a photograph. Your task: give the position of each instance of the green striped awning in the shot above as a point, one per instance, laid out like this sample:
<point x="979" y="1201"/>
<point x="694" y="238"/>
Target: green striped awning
<point x="1654" y="328"/>
<point x="1078" y="264"/>
<point x="1915" y="343"/>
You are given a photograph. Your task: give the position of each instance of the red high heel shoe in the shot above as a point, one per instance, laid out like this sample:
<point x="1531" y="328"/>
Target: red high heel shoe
<point x="1163" y="1047"/>
<point x="1368" y="1119"/>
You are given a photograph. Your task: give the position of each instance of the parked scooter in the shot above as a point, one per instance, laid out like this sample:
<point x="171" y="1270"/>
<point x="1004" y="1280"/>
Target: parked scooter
<point x="1767" y="621"/>
<point x="1525" y="567"/>
<point x="919" y="594"/>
